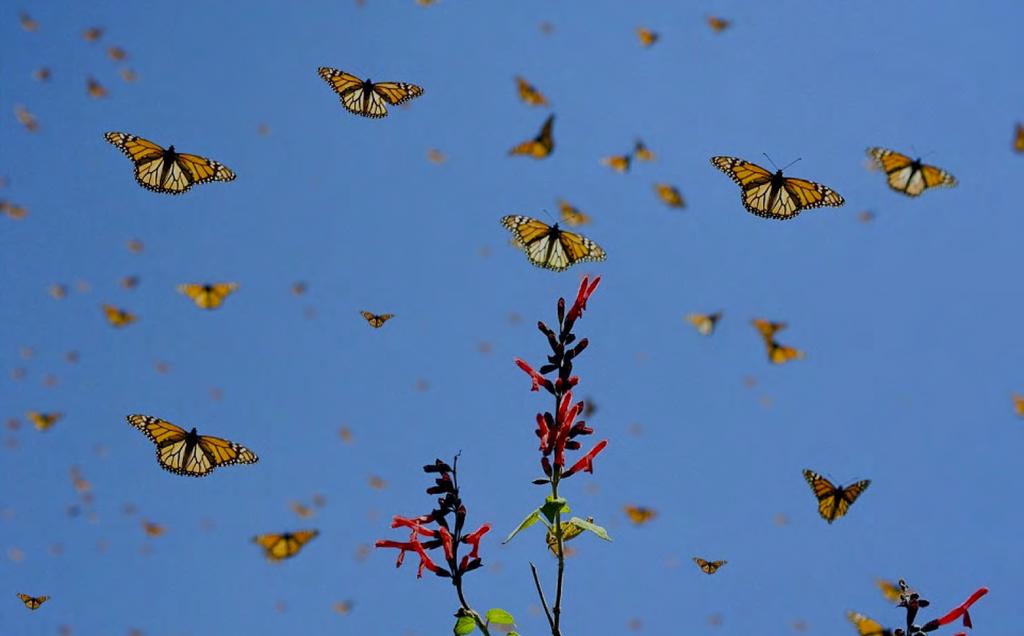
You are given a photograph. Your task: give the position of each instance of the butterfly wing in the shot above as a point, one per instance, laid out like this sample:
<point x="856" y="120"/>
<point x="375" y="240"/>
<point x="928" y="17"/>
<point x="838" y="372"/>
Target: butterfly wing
<point x="826" y="493"/>
<point x="529" y="94"/>
<point x="32" y="602"/>
<point x="669" y="195"/>
<point x="207" y="296"/>
<point x="277" y="547"/>
<point x="766" y="328"/>
<point x="639" y="515"/>
<point x="578" y="248"/>
<point x="1018" y="138"/>
<point x="376" y="320"/>
<point x="704" y="323"/>
<point x="541" y="145"/>
<point x="222" y="452"/>
<point x="43" y="421"/>
<point x="907" y="176"/>
<point x="190" y="170"/>
<point x="808" y="194"/>
<point x="118" y="317"/>
<point x="571" y="215"/>
<point x="890" y="590"/>
<point x="351" y="93"/>
<point x="867" y="626"/>
<point x="396" y="93"/>
<point x="618" y="163"/>
<point x="781" y="354"/>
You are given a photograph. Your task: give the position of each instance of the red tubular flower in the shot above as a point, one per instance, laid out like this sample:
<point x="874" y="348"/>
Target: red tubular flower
<point x="446" y="541"/>
<point x="414" y="524"/>
<point x="961" y="610"/>
<point x="586" y="463"/>
<point x="537" y="379"/>
<point x="385" y="543"/>
<point x="586" y="289"/>
<point x="474" y="537"/>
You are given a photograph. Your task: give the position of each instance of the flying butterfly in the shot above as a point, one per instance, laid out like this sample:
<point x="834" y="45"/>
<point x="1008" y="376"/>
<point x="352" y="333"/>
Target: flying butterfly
<point x="867" y="626"/>
<point x="163" y="169"/>
<point x="774" y="196"/>
<point x="642" y="152"/>
<point x="767" y="328"/>
<point x="94" y="89"/>
<point x="571" y="214"/>
<point x="32" y="602"/>
<point x="207" y="295"/>
<point x="704" y="323"/>
<point x="548" y="246"/>
<point x="28" y="24"/>
<point x="781" y="354"/>
<point x="708" y="567"/>
<point x="618" y="163"/>
<point x="891" y="591"/>
<point x="187" y="452"/>
<point x="26" y="118"/>
<point x="153" y="529"/>
<point x="1018" y="404"/>
<point x="909" y="176"/>
<point x="13" y="210"/>
<point x="363" y="97"/>
<point x="669" y="195"/>
<point x="301" y="509"/>
<point x="718" y="24"/>
<point x="540" y="146"/>
<point x="118" y="317"/>
<point x="646" y="36"/>
<point x="43" y="421"/>
<point x="639" y="515"/>
<point x="529" y="94"/>
<point x="278" y="547"/>
<point x="376" y="320"/>
<point x="1018" y="138"/>
<point x="834" y="501"/>
<point x="92" y="34"/>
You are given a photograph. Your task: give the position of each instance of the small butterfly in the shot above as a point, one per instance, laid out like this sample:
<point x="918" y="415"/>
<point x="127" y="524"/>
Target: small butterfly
<point x="363" y="97"/>
<point x="13" y="211"/>
<point x="548" y="246"/>
<point x="909" y="176"/>
<point x="834" y="501"/>
<point x="300" y="509"/>
<point x="618" y="163"/>
<point x="774" y="196"/>
<point x="116" y="53"/>
<point x="26" y="119"/>
<point x="646" y="36"/>
<point x="118" y="317"/>
<point x="152" y="529"/>
<point x="529" y="93"/>
<point x="43" y="421"/>
<point x="28" y="24"/>
<point x="41" y="74"/>
<point x="642" y="152"/>
<point x="207" y="295"/>
<point x="277" y="547"/>
<point x="708" y="567"/>
<point x="187" y="452"/>
<point x="94" y="89"/>
<point x="780" y="354"/>
<point x="92" y="34"/>
<point x="767" y="328"/>
<point x="639" y="515"/>
<point x="436" y="156"/>
<point x="572" y="215"/>
<point x="1018" y="138"/>
<point x="376" y="320"/>
<point x="718" y="24"/>
<point x="891" y="591"/>
<point x="1018" y="404"/>
<point x="342" y="607"/>
<point x="669" y="195"/>
<point x="129" y="75"/>
<point x="704" y="323"/>
<point x="867" y="626"/>
<point x="540" y="146"/>
<point x="162" y="169"/>
<point x="130" y="282"/>
<point x="33" y="602"/>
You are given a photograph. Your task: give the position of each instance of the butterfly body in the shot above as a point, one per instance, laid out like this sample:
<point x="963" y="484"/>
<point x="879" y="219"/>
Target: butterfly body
<point x="774" y="196"/>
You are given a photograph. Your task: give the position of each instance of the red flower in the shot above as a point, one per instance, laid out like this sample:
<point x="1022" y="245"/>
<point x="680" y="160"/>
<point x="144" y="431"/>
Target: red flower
<point x="961" y="610"/>
<point x="446" y="541"/>
<point x="474" y="537"/>
<point x="537" y="379"/>
<point x="586" y="463"/>
<point x="581" y="298"/>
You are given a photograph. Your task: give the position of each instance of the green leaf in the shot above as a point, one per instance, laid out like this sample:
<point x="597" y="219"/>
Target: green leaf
<point x="499" y="616"/>
<point x="590" y="527"/>
<point x="530" y="519"/>
<point x="553" y="506"/>
<point x="464" y="625"/>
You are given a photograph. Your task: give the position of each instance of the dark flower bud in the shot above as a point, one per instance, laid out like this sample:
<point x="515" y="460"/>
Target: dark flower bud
<point x="561" y="310"/>
<point x="544" y="329"/>
<point x="548" y="368"/>
<point x="437" y="467"/>
<point x="541" y="482"/>
<point x="578" y="349"/>
<point x="572" y="445"/>
<point x="474" y="564"/>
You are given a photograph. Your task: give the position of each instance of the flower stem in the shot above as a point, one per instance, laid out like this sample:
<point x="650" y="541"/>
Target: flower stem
<point x="540" y="593"/>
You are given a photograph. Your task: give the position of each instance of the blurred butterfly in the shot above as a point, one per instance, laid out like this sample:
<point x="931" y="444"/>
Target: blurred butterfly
<point x="28" y="24"/>
<point x="118" y="317"/>
<point x="570" y="531"/>
<point x="704" y="323"/>
<point x="780" y="354"/>
<point x="189" y="453"/>
<point x="549" y="247"/>
<point x="152" y="529"/>
<point x="135" y="246"/>
<point x="92" y="34"/>
<point x="541" y="145"/>
<point x="342" y="607"/>
<point x="436" y="156"/>
<point x="890" y="590"/>
<point x="43" y="421"/>
<point x="116" y="53"/>
<point x="834" y="501"/>
<point x="94" y="89"/>
<point x="26" y="119"/>
<point x="718" y="24"/>
<point x="164" y="170"/>
<point x="41" y="74"/>
<point x="300" y="509"/>
<point x="129" y="75"/>
<point x="130" y="282"/>
<point x="529" y="93"/>
<point x="774" y="196"/>
<point x="669" y="195"/>
<point x="207" y="295"/>
<point x="376" y="320"/>
<point x="33" y="602"/>
<point x="618" y="163"/>
<point x="277" y="547"/>
<point x="363" y="97"/>
<point x="909" y="176"/>
<point x="639" y="515"/>
<point x="58" y="291"/>
<point x="642" y="152"/>
<point x="376" y="482"/>
<point x="571" y="215"/>
<point x="12" y="211"/>
<point x="708" y="567"/>
<point x="646" y="36"/>
<point x="767" y="328"/>
<point x="1018" y="138"/>
<point x="865" y="216"/>
<point x="867" y="626"/>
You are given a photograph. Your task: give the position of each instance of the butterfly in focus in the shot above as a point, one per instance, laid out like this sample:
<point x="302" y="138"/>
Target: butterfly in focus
<point x="834" y="501"/>
<point x="909" y="176"/>
<point x="669" y="195"/>
<point x="277" y="547"/>
<point x="867" y="626"/>
<point x="376" y="320"/>
<point x="642" y="152"/>
<point x="708" y="567"/>
<point x="94" y="89"/>
<point x="704" y="323"/>
<point x="529" y="94"/>
<point x="207" y="295"/>
<point x="152" y="529"/>
<point x="1018" y="138"/>
<point x="118" y="317"/>
<point x="163" y="169"/>
<point x="718" y="24"/>
<point x="646" y="36"/>
<point x="187" y="452"/>
<point x="548" y="246"/>
<point x="363" y="97"/>
<point x="43" y="421"/>
<point x="774" y="196"/>
<point x="891" y="591"/>
<point x="541" y="145"/>
<point x="571" y="214"/>
<point x="639" y="515"/>
<point x="32" y="602"/>
<point x="570" y="531"/>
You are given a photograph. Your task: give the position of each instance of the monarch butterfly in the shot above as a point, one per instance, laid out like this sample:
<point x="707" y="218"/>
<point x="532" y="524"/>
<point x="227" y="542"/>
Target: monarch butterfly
<point x="642" y="152"/>
<point x="646" y="36"/>
<point x="376" y="320"/>
<point x="669" y="195"/>
<point x="774" y="196"/>
<point x="890" y="590"/>
<point x="207" y="295"/>
<point x="277" y="547"/>
<point x="129" y="75"/>
<point x="94" y="89"/>
<point x="41" y="74"/>
<point x="718" y="24"/>
<point x="13" y="211"/>
<point x="909" y="176"/>
<point x="865" y="216"/>
<point x="300" y="509"/>
<point x="130" y="282"/>
<point x="549" y="247"/>
<point x="436" y="156"/>
<point x="43" y="421"/>
<point x="343" y="607"/>
<point x="540" y="146"/>
<point x="570" y="531"/>
<point x="529" y="93"/>
<point x="28" y="24"/>
<point x="26" y="119"/>
<point x="164" y="170"/>
<point x="1018" y="138"/>
<point x="1018" y="404"/>
<point x="704" y="323"/>
<point x="32" y="602"/>
<point x="708" y="567"/>
<point x="363" y="97"/>
<point x="116" y="53"/>
<point x="118" y="317"/>
<point x="867" y="626"/>
<point x="639" y="515"/>
<point x="618" y="163"/>
<point x="834" y="501"/>
<point x="92" y="34"/>
<point x="571" y="215"/>
<point x="187" y="452"/>
<point x="780" y="354"/>
<point x="767" y="328"/>
<point x="152" y="529"/>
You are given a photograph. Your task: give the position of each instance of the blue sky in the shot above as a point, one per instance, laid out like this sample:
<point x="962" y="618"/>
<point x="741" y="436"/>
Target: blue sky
<point x="911" y="323"/>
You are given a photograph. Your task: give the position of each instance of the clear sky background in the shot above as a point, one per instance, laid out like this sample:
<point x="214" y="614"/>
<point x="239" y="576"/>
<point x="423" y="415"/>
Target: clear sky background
<point x="911" y="323"/>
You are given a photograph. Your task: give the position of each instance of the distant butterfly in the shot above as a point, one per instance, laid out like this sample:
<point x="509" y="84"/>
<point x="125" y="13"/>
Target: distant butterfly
<point x="363" y="97"/>
<point x="708" y="567"/>
<point x="26" y="119"/>
<point x="718" y="24"/>
<point x="58" y="291"/>
<point x="891" y="591"/>
<point x="541" y="145"/>
<point x="571" y="215"/>
<point x="342" y="607"/>
<point x="909" y="176"/>
<point x="152" y="529"/>
<point x="207" y="295"/>
<point x="1018" y="404"/>
<point x="188" y="453"/>
<point x="41" y="74"/>
<point x="834" y="501"/>
<point x="33" y="602"/>
<point x="376" y="320"/>
<point x="669" y="195"/>
<point x="164" y="170"/>
<point x="639" y="515"/>
<point x="646" y="36"/>
<point x="92" y="34"/>
<point x="28" y="24"/>
<point x="300" y="509"/>
<point x="436" y="156"/>
<point x="135" y="246"/>
<point x="130" y="282"/>
<point x="618" y="163"/>
<point x="549" y="247"/>
<point x="116" y="53"/>
<point x="529" y="93"/>
<point x="43" y="421"/>
<point x="118" y="317"/>
<point x="867" y="626"/>
<point x="1018" y="138"/>
<point x="94" y="89"/>
<point x="129" y="75"/>
<point x="569" y="531"/>
<point x="866" y="216"/>
<point x="774" y="196"/>
<point x="642" y="152"/>
<point x="277" y="547"/>
<point x="767" y="328"/>
<point x="704" y="323"/>
<point x="13" y="211"/>
<point x="780" y="354"/>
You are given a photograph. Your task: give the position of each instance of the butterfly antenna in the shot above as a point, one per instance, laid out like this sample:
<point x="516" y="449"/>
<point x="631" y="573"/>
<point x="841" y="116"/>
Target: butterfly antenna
<point x="786" y="167"/>
<point x="548" y="214"/>
<point x="770" y="160"/>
